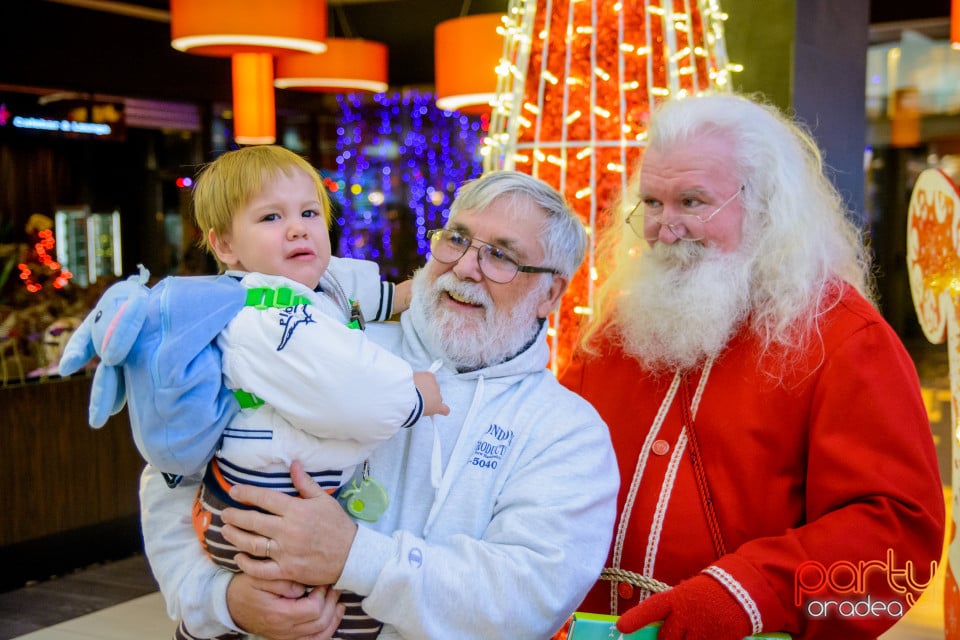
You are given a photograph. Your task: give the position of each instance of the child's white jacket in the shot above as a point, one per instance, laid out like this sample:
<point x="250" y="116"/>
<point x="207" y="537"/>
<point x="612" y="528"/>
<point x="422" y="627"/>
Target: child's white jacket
<point x="501" y="537"/>
<point x="331" y="395"/>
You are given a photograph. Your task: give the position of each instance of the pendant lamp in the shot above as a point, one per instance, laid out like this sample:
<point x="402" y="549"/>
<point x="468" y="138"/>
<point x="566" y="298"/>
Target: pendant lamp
<point x="254" y="108"/>
<point x="349" y="64"/>
<point x="225" y="27"/>
<point x="251" y="32"/>
<point x="467" y="53"/>
<point x="955" y="24"/>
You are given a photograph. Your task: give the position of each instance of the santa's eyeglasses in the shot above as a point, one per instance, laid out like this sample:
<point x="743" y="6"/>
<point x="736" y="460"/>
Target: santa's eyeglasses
<point x="685" y="226"/>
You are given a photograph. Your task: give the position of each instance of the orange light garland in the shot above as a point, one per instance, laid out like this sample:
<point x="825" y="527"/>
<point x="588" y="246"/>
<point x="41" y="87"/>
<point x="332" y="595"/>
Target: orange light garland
<point x="576" y="88"/>
<point x="43" y="247"/>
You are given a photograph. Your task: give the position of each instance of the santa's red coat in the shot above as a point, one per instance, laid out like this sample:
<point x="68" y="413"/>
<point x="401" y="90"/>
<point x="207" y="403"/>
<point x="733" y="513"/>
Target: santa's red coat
<point x="835" y="463"/>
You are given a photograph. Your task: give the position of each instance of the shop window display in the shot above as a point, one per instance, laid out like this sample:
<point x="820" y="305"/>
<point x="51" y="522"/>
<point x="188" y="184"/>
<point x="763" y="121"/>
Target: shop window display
<point x="88" y="244"/>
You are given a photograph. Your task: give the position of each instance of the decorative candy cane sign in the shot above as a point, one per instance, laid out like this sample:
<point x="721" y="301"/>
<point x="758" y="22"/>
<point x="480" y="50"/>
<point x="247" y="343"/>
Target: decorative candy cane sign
<point x="933" y="261"/>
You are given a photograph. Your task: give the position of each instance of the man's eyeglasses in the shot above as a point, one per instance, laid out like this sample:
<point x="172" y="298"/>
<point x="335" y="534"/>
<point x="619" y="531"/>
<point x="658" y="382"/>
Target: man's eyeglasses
<point x="448" y="246"/>
<point x="685" y="226"/>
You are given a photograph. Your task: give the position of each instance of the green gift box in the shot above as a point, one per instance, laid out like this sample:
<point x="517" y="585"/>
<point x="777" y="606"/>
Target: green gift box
<point x="598" y="626"/>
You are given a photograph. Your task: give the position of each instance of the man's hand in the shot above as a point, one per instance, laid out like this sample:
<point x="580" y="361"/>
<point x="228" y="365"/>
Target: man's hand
<point x="304" y="540"/>
<point x="697" y="609"/>
<point x="426" y="382"/>
<point x="279" y="609"/>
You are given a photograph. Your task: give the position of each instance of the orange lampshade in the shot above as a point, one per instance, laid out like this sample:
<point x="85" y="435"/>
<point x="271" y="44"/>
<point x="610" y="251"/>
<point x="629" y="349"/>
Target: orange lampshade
<point x="349" y="64"/>
<point x="225" y="27"/>
<point x="254" y="110"/>
<point x="955" y="24"/>
<point x="466" y="55"/>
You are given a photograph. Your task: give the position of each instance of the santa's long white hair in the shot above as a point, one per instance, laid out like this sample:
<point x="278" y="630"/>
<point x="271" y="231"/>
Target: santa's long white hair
<point x="800" y="242"/>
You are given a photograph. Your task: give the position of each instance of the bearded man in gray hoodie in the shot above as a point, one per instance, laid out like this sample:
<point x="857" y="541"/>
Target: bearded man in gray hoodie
<point x="500" y="514"/>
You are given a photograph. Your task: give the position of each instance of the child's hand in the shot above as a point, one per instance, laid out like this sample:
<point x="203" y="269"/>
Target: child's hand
<point x="402" y="293"/>
<point x="430" y="391"/>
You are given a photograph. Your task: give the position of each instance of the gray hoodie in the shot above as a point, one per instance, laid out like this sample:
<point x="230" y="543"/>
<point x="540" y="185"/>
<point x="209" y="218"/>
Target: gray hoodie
<point x="500" y="517"/>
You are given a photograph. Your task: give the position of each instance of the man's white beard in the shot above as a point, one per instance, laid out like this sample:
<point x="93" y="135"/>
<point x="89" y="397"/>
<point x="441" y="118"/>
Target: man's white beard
<point x="465" y="340"/>
<point x="682" y="305"/>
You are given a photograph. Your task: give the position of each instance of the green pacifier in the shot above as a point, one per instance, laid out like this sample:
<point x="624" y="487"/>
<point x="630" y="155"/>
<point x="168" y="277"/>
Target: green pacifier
<point x="365" y="499"/>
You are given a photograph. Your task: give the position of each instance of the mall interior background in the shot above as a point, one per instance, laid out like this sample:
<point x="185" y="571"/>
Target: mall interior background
<point x="876" y="81"/>
<point x="815" y="57"/>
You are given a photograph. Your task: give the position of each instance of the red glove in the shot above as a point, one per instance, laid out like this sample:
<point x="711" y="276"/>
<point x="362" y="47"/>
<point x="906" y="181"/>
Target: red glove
<point x="696" y="609"/>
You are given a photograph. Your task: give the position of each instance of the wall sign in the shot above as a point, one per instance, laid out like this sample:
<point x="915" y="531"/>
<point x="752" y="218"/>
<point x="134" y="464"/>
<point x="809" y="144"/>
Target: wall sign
<point x="65" y="115"/>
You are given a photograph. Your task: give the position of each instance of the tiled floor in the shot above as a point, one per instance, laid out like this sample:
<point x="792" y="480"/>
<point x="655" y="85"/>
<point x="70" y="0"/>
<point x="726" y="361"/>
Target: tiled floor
<point x="71" y="597"/>
<point x="144" y="618"/>
<point x="140" y="613"/>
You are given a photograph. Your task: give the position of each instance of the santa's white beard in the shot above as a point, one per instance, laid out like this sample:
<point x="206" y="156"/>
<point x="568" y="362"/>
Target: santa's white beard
<point x="466" y="340"/>
<point x="682" y="305"/>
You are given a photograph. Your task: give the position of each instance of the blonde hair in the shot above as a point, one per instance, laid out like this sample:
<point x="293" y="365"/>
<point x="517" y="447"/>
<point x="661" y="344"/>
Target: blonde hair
<point x="227" y="184"/>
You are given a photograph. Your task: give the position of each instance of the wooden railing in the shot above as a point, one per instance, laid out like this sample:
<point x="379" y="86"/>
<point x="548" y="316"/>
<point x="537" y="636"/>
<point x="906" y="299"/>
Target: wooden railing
<point x="61" y="482"/>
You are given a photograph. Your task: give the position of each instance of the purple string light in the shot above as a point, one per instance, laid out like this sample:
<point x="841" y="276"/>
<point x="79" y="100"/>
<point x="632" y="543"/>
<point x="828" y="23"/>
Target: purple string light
<point x="399" y="162"/>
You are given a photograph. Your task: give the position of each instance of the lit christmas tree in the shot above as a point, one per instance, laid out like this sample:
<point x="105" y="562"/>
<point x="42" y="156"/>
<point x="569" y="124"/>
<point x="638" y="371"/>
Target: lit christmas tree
<point x="576" y="87"/>
<point x="40" y="268"/>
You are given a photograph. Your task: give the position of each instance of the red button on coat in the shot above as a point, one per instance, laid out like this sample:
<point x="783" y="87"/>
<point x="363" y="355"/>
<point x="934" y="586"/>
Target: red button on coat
<point x="660" y="447"/>
<point x="625" y="589"/>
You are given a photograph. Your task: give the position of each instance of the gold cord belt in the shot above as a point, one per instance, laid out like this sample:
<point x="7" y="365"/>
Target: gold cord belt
<point x="637" y="580"/>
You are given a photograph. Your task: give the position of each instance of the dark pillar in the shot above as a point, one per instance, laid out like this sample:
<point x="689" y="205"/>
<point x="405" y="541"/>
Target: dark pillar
<point x="809" y="57"/>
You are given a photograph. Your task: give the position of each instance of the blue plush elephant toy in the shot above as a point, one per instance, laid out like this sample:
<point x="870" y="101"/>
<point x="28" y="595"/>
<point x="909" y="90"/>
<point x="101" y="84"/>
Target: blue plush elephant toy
<point x="158" y="354"/>
<point x="109" y="331"/>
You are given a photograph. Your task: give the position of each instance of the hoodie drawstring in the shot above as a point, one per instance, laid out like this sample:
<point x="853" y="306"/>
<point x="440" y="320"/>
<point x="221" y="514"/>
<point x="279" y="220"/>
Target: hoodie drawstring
<point x="443" y="488"/>
<point x="436" y="460"/>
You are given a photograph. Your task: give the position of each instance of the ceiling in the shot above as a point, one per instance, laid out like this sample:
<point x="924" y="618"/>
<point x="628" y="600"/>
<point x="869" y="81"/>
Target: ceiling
<point x="107" y="46"/>
<point x="123" y="47"/>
